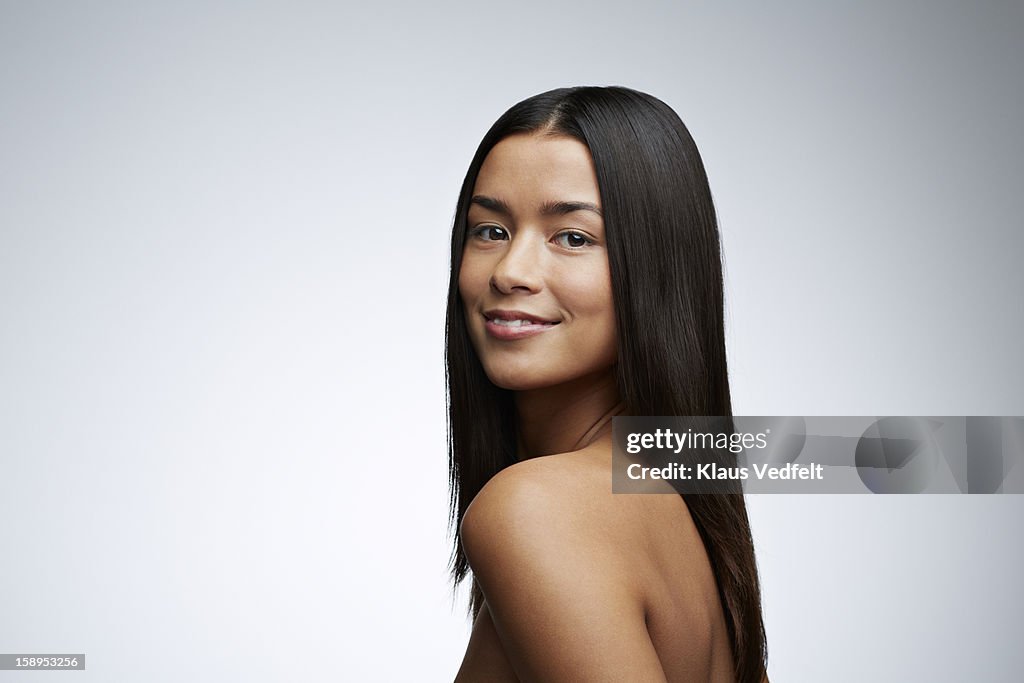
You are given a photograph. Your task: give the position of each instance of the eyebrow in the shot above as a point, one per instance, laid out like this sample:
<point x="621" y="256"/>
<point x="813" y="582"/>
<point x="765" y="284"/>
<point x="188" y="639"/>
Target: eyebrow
<point x="546" y="209"/>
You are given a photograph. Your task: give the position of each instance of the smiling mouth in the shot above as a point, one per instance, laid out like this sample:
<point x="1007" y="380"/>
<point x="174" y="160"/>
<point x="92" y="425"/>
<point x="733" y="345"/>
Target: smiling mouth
<point x="519" y="322"/>
<point x="515" y="325"/>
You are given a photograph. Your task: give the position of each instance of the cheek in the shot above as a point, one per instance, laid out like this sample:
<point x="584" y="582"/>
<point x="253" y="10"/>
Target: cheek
<point x="471" y="278"/>
<point x="588" y="295"/>
<point x="607" y="331"/>
<point x="587" y="292"/>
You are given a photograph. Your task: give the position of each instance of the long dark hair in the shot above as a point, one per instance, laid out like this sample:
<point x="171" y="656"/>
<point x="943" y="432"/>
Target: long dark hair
<point x="666" y="272"/>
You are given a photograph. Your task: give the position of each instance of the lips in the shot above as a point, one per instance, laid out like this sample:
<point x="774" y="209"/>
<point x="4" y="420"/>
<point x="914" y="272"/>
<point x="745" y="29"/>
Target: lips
<point x="511" y="325"/>
<point x="515" y="323"/>
<point x="502" y="315"/>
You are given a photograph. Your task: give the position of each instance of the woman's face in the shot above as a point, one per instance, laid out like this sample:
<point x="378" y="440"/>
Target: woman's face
<point x="534" y="279"/>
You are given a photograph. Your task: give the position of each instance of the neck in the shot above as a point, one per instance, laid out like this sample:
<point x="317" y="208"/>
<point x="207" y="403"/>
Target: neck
<point x="566" y="417"/>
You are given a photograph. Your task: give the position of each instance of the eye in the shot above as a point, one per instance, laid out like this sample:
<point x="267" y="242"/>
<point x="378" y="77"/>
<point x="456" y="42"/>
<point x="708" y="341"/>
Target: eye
<point x="571" y="239"/>
<point x="489" y="233"/>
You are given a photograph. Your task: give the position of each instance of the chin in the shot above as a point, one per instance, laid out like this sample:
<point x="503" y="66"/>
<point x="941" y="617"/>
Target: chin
<point x="520" y="376"/>
<point x="530" y="376"/>
<point x="517" y="381"/>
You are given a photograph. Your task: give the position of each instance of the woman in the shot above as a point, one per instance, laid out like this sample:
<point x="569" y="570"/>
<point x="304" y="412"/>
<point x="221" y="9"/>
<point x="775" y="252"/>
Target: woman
<point x="586" y="283"/>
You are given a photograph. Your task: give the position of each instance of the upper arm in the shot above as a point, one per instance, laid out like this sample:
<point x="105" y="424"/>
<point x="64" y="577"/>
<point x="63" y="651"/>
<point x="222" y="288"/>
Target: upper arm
<point x="485" y="658"/>
<point x="561" y="592"/>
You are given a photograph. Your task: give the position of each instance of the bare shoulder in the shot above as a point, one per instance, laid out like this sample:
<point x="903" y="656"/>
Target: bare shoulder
<point x="565" y="501"/>
<point x="543" y="543"/>
<point x="562" y="560"/>
<point x="551" y="500"/>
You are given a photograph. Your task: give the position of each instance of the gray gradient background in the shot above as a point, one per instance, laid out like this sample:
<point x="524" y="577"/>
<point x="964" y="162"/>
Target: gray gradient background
<point x="223" y="254"/>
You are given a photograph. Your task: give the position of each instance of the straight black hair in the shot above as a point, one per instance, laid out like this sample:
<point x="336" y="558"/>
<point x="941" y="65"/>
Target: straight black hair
<point x="666" y="272"/>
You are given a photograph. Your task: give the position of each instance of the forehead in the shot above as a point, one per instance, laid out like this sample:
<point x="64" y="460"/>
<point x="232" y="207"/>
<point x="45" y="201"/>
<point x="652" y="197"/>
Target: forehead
<point x="535" y="168"/>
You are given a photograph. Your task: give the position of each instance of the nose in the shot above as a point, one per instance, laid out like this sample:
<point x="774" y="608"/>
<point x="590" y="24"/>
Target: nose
<point x="519" y="269"/>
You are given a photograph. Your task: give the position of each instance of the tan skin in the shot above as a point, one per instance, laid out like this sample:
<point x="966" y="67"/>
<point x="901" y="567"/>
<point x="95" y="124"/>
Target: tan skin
<point x="579" y="584"/>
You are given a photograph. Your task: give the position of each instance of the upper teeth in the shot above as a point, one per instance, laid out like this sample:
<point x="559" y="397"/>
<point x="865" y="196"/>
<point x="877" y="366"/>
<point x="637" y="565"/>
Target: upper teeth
<point x="516" y="323"/>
